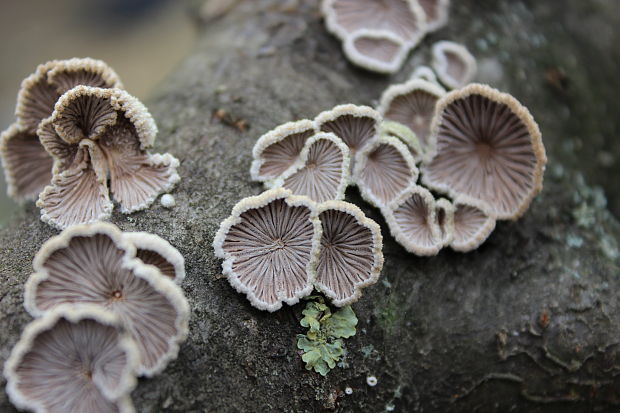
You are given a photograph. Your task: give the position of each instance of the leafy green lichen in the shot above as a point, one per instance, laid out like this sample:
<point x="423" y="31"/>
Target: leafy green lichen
<point x="323" y="344"/>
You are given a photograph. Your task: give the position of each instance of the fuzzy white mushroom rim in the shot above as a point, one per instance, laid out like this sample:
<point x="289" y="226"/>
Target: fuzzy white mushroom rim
<point x="27" y="166"/>
<point x="412" y="222"/>
<point x="74" y="358"/>
<point x="406" y="135"/>
<point x="95" y="264"/>
<point x="472" y="224"/>
<point x="154" y="250"/>
<point x="351" y="256"/>
<point x="454" y="64"/>
<point x="376" y="50"/>
<point x="487" y="147"/>
<point x="322" y="170"/>
<point x="93" y="132"/>
<point x="270" y="246"/>
<point x="279" y="149"/>
<point x="384" y="170"/>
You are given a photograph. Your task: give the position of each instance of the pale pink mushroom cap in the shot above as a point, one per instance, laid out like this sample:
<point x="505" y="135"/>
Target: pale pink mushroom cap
<point x="322" y="170"/>
<point x="279" y="149"/>
<point x="95" y="264"/>
<point x="73" y="359"/>
<point x="412" y="104"/>
<point x="435" y="12"/>
<point x="384" y="170"/>
<point x="473" y="223"/>
<point x="270" y="246"/>
<point x="376" y="50"/>
<point x="154" y="250"/>
<point x="351" y="256"/>
<point x="489" y="148"/>
<point x="454" y="64"/>
<point x="413" y="222"/>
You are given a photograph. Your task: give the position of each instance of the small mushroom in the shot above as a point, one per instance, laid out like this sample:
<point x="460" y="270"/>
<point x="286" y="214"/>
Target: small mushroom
<point x="403" y="18"/>
<point x="406" y="135"/>
<point x="41" y="90"/>
<point x="73" y="359"/>
<point x="384" y="170"/>
<point x="355" y="125"/>
<point x="376" y="50"/>
<point x="413" y="223"/>
<point x="444" y="216"/>
<point x="322" y="171"/>
<point x="454" y="64"/>
<point x="412" y="104"/>
<point x="473" y="223"/>
<point x="489" y="148"/>
<point x="436" y="13"/>
<point x="27" y="166"/>
<point x="351" y="254"/>
<point x="277" y="150"/>
<point x="270" y="246"/>
<point x="424" y="73"/>
<point x="95" y="264"/>
<point x="111" y="131"/>
<point x="154" y="250"/>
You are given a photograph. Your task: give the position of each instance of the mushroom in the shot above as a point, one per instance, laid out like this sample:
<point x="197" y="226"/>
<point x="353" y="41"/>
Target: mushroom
<point x="473" y="223"/>
<point x="270" y="246"/>
<point x="412" y="104"/>
<point x="376" y="50"/>
<point x="436" y="12"/>
<point x="27" y="166"/>
<point x="454" y="64"/>
<point x="351" y="254"/>
<point x="424" y="73"/>
<point x="154" y="250"/>
<point x="41" y="90"/>
<point x="355" y="125"/>
<point x="277" y="150"/>
<point x="73" y="359"/>
<point x="93" y="132"/>
<point x="95" y="264"/>
<point x="403" y="18"/>
<point x="322" y="171"/>
<point x="412" y="222"/>
<point x="406" y="135"/>
<point x="487" y="147"/>
<point x="384" y="170"/>
<point x="444" y="217"/>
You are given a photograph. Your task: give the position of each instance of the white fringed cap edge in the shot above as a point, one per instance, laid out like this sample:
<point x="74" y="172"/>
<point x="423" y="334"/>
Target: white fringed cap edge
<point x="152" y="242"/>
<point x="440" y="63"/>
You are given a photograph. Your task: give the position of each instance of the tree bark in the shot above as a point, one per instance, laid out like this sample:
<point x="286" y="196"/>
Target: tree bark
<point x="528" y="322"/>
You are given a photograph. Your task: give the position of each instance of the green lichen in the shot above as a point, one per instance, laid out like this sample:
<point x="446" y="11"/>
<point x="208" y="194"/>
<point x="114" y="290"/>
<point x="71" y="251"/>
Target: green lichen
<point x="323" y="344"/>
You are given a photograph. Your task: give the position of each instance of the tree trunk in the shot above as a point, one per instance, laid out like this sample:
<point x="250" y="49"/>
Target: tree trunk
<point x="528" y="322"/>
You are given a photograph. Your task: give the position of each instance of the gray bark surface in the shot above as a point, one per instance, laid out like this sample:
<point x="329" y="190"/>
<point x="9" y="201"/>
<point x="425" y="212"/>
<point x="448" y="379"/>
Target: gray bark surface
<point x="528" y="322"/>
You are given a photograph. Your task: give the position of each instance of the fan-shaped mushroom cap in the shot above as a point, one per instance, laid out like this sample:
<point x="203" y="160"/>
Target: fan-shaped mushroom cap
<point x="412" y="104"/>
<point x="79" y="193"/>
<point x="384" y="170"/>
<point x="444" y="217"/>
<point x="270" y="246"/>
<point x="436" y="13"/>
<point x="154" y="250"/>
<point x="473" y="223"/>
<point x="40" y="91"/>
<point x="424" y="73"/>
<point x="27" y="166"/>
<point x="351" y="254"/>
<point x="277" y="150"/>
<point x="73" y="359"/>
<point x="96" y="264"/>
<point x="377" y="50"/>
<point x="355" y="125"/>
<point x="406" y="135"/>
<point x="413" y="223"/>
<point x="322" y="170"/>
<point x="403" y="18"/>
<point x="488" y="147"/>
<point x="454" y="64"/>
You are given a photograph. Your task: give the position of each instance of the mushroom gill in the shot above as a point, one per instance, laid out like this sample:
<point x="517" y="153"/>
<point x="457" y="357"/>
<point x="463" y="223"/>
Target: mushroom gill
<point x="472" y="224"/>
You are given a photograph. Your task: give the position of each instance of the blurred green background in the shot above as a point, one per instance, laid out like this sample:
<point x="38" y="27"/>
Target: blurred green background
<point x="143" y="40"/>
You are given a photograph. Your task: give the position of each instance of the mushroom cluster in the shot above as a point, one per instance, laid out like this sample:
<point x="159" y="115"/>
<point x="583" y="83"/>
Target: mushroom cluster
<point x="278" y="246"/>
<point x="379" y="34"/>
<point x="108" y="308"/>
<point x="79" y="137"/>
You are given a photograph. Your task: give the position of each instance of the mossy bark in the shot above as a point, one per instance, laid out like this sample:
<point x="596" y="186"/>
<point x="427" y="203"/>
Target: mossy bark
<point x="528" y="322"/>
